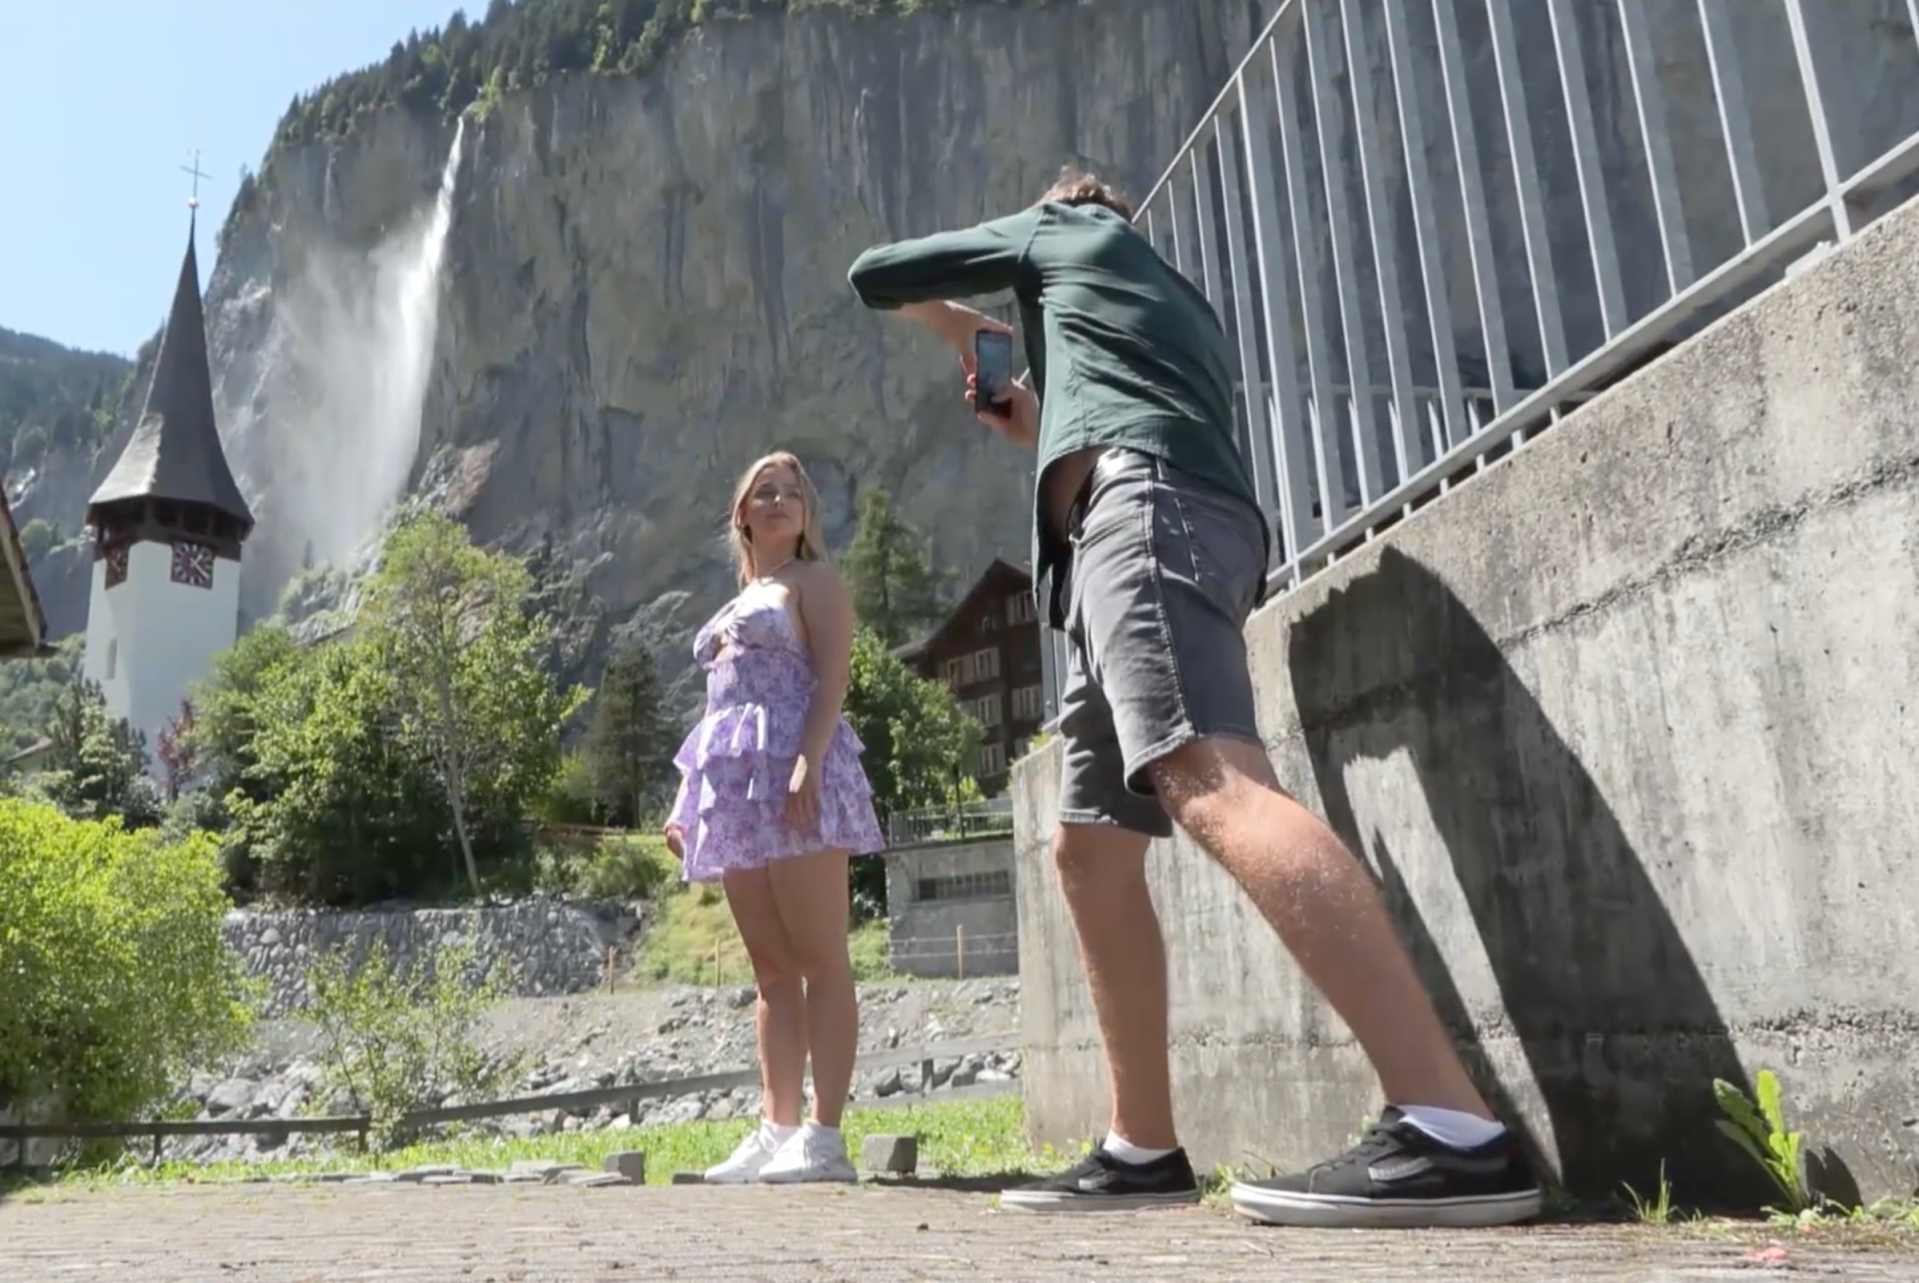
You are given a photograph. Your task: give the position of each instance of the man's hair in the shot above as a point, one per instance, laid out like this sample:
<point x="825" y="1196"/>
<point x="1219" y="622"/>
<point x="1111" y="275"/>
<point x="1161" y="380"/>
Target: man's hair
<point x="1077" y="187"/>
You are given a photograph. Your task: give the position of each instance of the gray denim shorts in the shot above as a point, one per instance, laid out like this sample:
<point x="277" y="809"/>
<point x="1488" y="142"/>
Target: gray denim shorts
<point x="1164" y="569"/>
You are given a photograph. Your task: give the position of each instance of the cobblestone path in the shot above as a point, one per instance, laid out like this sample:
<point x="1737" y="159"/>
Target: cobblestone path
<point x="506" y="1234"/>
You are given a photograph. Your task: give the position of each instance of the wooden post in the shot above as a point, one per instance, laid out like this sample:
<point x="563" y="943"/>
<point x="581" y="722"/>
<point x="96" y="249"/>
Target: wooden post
<point x="718" y="975"/>
<point x="959" y="949"/>
<point x="157" y="1134"/>
<point x="609" y="968"/>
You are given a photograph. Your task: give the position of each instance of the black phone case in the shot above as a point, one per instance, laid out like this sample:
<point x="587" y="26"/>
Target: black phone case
<point x="995" y="394"/>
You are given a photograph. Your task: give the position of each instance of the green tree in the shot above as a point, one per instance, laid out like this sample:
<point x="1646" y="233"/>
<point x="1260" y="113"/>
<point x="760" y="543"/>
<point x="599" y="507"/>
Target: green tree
<point x="29" y="688"/>
<point x="97" y="765"/>
<point x="917" y="745"/>
<point x="38" y="538"/>
<point x="226" y="718"/>
<point x="447" y="622"/>
<point x="630" y="740"/>
<point x="117" y="983"/>
<point x="895" y="590"/>
<point x="335" y="806"/>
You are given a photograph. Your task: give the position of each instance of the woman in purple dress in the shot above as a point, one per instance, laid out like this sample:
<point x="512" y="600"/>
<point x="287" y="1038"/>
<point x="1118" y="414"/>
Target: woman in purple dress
<point x="772" y="803"/>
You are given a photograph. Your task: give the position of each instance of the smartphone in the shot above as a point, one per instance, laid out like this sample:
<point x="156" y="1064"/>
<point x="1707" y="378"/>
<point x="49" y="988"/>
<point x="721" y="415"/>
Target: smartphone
<point x="993" y="364"/>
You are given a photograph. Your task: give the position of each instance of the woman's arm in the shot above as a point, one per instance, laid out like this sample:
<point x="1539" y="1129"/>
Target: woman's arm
<point x="826" y="608"/>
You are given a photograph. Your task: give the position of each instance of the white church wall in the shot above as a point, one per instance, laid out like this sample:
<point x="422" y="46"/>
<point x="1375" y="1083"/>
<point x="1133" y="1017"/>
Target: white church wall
<point x="156" y="637"/>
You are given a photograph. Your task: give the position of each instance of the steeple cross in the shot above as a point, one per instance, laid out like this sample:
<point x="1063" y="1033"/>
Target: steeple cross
<point x="193" y="201"/>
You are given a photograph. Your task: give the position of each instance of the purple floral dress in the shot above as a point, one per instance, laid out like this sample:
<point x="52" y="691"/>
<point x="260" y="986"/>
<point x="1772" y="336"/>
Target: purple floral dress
<point x="738" y="761"/>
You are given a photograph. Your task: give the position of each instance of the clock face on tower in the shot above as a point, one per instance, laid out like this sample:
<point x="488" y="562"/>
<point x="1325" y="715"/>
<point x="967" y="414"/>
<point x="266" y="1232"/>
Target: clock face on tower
<point x="193" y="565"/>
<point x="116" y="565"/>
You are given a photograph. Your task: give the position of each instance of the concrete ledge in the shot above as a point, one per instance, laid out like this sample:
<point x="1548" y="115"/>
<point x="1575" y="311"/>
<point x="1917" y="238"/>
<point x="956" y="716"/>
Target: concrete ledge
<point x="1628" y="728"/>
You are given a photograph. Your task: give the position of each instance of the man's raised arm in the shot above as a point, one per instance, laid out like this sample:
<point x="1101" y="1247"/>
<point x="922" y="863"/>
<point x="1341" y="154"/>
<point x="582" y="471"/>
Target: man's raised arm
<point x="947" y="265"/>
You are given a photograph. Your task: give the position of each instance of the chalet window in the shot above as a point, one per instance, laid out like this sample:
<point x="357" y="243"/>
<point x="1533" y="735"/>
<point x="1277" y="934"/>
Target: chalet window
<point x="985" y="710"/>
<point x="956" y="673"/>
<point x="1020" y="609"/>
<point x="985" y="664"/>
<point x="1028" y="703"/>
<point x="992" y="759"/>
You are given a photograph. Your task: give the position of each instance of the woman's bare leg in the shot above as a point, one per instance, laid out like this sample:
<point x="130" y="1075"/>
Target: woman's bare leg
<point x="781" y="1010"/>
<point x="811" y="893"/>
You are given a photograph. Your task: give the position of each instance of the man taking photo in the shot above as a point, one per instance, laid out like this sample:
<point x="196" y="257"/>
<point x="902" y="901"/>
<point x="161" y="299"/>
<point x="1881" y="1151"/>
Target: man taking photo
<point x="1151" y="553"/>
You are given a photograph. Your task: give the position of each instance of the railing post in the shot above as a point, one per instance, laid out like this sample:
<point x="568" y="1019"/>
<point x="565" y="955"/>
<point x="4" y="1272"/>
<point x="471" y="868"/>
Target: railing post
<point x="1822" y="136"/>
<point x="1649" y="97"/>
<point x="1472" y="193"/>
<point x="1289" y="420"/>
<point x="1735" y="119"/>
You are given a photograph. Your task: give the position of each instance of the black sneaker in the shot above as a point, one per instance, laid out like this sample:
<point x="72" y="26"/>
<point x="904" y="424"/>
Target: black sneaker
<point x="1102" y="1183"/>
<point x="1398" y="1177"/>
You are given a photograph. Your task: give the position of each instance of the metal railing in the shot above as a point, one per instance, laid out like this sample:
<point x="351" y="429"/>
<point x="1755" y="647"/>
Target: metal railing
<point x="626" y="1095"/>
<point x="1535" y="196"/>
<point x="990" y="818"/>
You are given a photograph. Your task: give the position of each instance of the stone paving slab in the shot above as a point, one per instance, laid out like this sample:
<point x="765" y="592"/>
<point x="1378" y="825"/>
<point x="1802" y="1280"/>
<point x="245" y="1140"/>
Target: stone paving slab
<point x="875" y="1234"/>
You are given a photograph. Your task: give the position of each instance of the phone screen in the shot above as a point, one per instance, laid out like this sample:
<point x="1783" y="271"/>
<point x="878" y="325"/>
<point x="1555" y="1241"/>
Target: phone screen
<point x="993" y="362"/>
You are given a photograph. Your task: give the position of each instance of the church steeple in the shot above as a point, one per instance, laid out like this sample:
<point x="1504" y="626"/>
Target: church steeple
<point x="172" y="481"/>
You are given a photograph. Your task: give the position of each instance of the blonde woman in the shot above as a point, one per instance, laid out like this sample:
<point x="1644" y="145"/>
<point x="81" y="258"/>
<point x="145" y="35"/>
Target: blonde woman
<point x="772" y="803"/>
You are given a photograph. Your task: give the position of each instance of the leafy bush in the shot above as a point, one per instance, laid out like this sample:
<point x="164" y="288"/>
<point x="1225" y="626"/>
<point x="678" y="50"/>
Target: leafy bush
<point x="400" y="1042"/>
<point x="619" y="867"/>
<point x="114" y="982"/>
<point x="628" y="868"/>
<point x="569" y="799"/>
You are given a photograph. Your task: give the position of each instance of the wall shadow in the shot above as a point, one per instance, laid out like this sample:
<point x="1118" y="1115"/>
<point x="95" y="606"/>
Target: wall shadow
<point x="1615" y="1020"/>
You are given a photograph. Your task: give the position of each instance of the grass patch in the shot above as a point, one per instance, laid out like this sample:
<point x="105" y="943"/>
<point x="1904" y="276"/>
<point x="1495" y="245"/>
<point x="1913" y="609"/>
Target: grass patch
<point x="694" y="942"/>
<point x="957" y="1139"/>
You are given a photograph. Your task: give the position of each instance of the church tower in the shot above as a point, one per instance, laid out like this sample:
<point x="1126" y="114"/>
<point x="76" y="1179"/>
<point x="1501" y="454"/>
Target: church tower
<point x="168" y="524"/>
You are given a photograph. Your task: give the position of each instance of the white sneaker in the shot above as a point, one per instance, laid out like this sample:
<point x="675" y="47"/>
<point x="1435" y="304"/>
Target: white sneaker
<point x="744" y="1165"/>
<point x="814" y="1154"/>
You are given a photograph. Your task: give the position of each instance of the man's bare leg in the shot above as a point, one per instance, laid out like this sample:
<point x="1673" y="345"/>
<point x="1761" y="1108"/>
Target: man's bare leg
<point x="1102" y="873"/>
<point x="1327" y="911"/>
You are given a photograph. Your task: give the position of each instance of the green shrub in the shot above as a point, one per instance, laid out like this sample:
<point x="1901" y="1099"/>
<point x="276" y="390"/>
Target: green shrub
<point x="620" y="867"/>
<point x="628" y="868"/>
<point x="395" y="1041"/>
<point x="114" y="982"/>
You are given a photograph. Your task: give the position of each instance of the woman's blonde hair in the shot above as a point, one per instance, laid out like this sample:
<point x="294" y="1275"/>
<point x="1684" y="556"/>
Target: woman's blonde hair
<point x="812" y="545"/>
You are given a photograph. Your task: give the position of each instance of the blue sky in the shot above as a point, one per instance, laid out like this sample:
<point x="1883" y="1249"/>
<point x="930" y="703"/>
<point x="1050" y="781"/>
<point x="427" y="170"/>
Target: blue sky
<point x="102" y="101"/>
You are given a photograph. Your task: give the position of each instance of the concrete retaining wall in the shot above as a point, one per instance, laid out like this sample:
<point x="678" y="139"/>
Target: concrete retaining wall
<point x="1629" y="729"/>
<point x="925" y="934"/>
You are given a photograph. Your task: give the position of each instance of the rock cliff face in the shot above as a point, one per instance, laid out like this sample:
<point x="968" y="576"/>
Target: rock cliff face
<point x="645" y="287"/>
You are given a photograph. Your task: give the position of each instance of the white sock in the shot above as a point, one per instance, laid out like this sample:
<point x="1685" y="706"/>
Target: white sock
<point x="778" y="1133"/>
<point x="1127" y="1152"/>
<point x="1452" y="1128"/>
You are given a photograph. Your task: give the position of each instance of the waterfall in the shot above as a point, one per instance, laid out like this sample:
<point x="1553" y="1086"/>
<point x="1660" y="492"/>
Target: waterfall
<point x="350" y="361"/>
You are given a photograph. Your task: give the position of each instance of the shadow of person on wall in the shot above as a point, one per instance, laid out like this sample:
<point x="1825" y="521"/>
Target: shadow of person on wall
<point x="1615" y="1021"/>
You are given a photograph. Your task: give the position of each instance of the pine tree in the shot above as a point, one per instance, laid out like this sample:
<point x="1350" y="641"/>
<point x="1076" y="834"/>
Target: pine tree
<point x="896" y="591"/>
<point x="630" y="740"/>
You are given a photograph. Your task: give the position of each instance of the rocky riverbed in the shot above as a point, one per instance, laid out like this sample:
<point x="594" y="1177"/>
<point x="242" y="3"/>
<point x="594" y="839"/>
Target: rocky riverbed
<point x="604" y="1040"/>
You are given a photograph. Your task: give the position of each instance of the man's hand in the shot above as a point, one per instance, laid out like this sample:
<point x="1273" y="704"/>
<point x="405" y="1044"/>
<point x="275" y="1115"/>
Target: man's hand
<point x="1020" y="423"/>
<point x="956" y="324"/>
